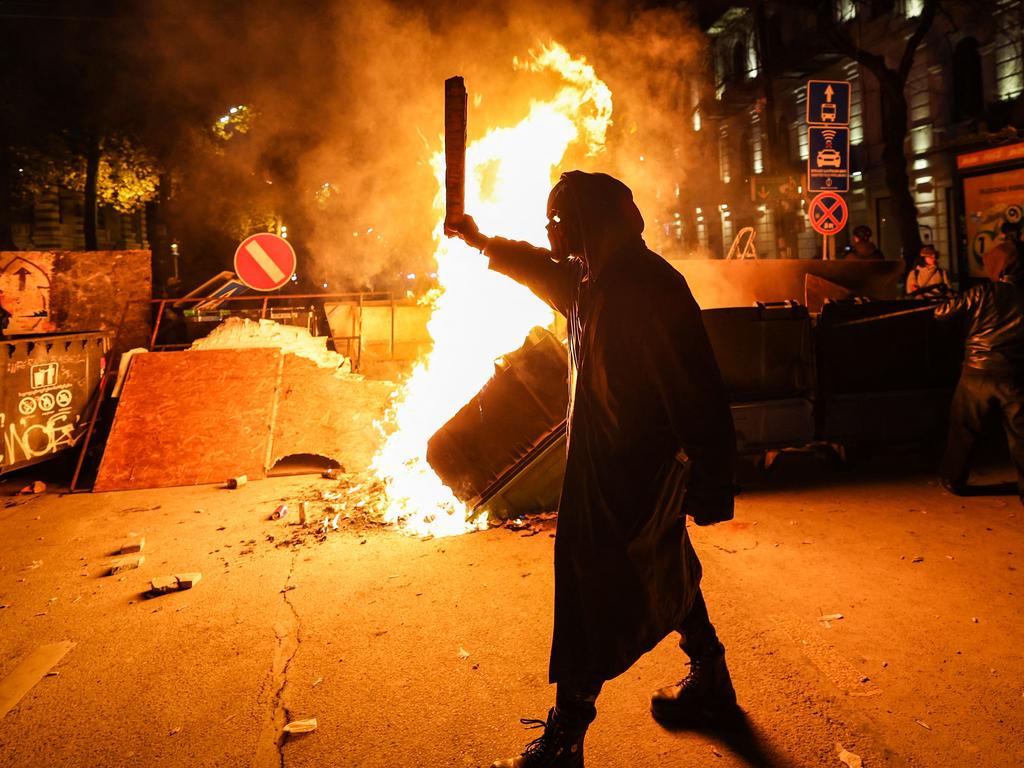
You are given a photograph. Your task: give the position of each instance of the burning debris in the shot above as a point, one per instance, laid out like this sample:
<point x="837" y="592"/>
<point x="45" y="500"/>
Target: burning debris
<point x="352" y="503"/>
<point x="504" y="168"/>
<point x="355" y="504"/>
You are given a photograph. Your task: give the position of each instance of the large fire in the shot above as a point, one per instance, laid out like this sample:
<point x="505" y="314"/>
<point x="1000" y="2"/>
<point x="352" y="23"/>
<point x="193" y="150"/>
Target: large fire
<point x="480" y="315"/>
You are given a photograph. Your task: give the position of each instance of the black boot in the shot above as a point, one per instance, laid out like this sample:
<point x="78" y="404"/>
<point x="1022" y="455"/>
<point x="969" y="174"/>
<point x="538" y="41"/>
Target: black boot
<point x="555" y="748"/>
<point x="705" y="694"/>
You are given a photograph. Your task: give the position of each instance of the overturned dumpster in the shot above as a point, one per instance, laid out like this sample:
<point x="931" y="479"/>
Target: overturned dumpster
<point x="48" y="382"/>
<point x="504" y="451"/>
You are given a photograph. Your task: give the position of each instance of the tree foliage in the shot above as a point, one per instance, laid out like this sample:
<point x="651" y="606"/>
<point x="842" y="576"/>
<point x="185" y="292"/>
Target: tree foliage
<point x="127" y="179"/>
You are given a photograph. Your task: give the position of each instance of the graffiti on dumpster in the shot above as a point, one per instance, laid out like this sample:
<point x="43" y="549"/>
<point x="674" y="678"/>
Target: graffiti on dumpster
<point x="45" y="420"/>
<point x="23" y="442"/>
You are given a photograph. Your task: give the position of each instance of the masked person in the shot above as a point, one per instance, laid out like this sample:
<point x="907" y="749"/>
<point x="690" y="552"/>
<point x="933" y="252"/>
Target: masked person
<point x="650" y="440"/>
<point x="992" y="377"/>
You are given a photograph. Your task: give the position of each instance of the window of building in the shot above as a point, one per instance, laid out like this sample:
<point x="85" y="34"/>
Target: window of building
<point x="800" y="124"/>
<point x="752" y="67"/>
<point x="845" y="10"/>
<point x="1009" y="65"/>
<point x="695" y="106"/>
<point x="856" y="105"/>
<point x="968" y="96"/>
<point x="723" y="155"/>
<point x="739" y="62"/>
<point x="912" y="8"/>
<point x="919" y="106"/>
<point x="746" y="163"/>
<point x="756" y="144"/>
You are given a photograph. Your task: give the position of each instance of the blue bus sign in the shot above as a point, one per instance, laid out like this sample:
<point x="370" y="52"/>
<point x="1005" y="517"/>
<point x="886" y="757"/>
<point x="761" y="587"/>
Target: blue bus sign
<point x="828" y="161"/>
<point x="828" y="102"/>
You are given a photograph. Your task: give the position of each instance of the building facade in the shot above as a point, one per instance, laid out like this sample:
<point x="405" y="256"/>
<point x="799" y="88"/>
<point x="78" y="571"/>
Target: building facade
<point x="55" y="222"/>
<point x="964" y="92"/>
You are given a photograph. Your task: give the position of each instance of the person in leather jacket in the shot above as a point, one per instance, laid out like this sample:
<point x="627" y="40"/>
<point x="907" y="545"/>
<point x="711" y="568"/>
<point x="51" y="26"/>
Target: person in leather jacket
<point x="993" y="369"/>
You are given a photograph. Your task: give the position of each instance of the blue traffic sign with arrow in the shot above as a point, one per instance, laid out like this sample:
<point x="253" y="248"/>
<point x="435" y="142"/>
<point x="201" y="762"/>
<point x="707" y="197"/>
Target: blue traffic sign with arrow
<point x="828" y="102"/>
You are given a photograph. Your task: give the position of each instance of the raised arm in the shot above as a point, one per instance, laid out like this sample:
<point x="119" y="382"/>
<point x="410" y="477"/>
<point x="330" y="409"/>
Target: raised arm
<point x="525" y="263"/>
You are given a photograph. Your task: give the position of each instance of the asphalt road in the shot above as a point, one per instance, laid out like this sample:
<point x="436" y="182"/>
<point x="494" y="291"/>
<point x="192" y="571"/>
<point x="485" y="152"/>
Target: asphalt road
<point x="412" y="652"/>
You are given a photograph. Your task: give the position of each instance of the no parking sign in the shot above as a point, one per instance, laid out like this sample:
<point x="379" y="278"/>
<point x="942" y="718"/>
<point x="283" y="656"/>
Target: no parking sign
<point x="828" y="213"/>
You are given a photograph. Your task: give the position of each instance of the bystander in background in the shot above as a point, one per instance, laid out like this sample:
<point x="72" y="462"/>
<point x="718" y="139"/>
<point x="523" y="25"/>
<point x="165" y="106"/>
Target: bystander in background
<point x="927" y="278"/>
<point x="862" y="246"/>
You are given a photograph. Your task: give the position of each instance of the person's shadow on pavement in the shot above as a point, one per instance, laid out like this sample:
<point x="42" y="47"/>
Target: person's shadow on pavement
<point x="737" y="735"/>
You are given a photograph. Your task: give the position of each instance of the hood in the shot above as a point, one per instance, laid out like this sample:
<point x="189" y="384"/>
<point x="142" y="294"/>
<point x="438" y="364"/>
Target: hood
<point x="610" y="222"/>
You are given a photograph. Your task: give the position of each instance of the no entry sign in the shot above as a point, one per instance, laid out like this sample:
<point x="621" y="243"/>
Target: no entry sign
<point x="265" y="261"/>
<point x="828" y="213"/>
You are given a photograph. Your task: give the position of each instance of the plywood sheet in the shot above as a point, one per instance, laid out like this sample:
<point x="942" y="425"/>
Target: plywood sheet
<point x="324" y="414"/>
<point x="188" y="418"/>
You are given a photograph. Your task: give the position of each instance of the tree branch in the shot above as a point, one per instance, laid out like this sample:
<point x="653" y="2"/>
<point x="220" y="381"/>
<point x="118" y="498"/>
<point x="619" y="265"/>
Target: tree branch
<point x="931" y="7"/>
<point x="845" y="45"/>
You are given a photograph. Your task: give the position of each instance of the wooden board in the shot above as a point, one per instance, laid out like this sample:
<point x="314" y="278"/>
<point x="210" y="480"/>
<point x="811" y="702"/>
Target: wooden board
<point x="326" y="415"/>
<point x="29" y="672"/>
<point x="189" y="418"/>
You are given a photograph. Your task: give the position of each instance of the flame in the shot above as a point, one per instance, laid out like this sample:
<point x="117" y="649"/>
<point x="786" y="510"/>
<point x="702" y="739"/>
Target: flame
<point x="479" y="315"/>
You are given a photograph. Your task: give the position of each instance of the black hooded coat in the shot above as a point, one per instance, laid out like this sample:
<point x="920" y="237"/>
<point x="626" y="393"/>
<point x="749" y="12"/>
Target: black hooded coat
<point x="650" y="435"/>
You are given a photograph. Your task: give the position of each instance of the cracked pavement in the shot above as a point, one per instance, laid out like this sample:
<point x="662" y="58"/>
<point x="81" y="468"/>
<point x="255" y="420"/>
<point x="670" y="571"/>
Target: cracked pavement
<point x="427" y="652"/>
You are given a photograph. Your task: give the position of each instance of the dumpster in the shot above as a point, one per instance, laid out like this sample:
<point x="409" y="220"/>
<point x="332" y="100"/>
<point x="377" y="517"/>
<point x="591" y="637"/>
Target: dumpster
<point x="887" y="381"/>
<point x="504" y="451"/>
<point x="766" y="357"/>
<point x="48" y="381"/>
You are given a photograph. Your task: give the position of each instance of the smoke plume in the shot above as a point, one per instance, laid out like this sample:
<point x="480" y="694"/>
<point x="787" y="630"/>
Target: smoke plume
<point x="347" y="102"/>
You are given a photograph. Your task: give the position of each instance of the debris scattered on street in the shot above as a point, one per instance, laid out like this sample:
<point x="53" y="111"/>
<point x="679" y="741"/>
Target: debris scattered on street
<point x="923" y="725"/>
<point x="918" y="559"/>
<point x="37" y="486"/>
<point x="161" y="585"/>
<point x="301" y="726"/>
<point x="35" y="564"/>
<point x="303" y="512"/>
<point x="849" y="758"/>
<point x="125" y="564"/>
<point x="827" y="619"/>
<point x="280" y="512"/>
<point x="715" y="752"/>
<point x="134" y="543"/>
<point x="463" y="654"/>
<point x="333" y="473"/>
<point x="237" y="482"/>
<point x="533" y="524"/>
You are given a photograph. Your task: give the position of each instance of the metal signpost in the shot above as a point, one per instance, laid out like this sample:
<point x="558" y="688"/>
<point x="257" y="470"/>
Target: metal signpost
<point x="828" y="158"/>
